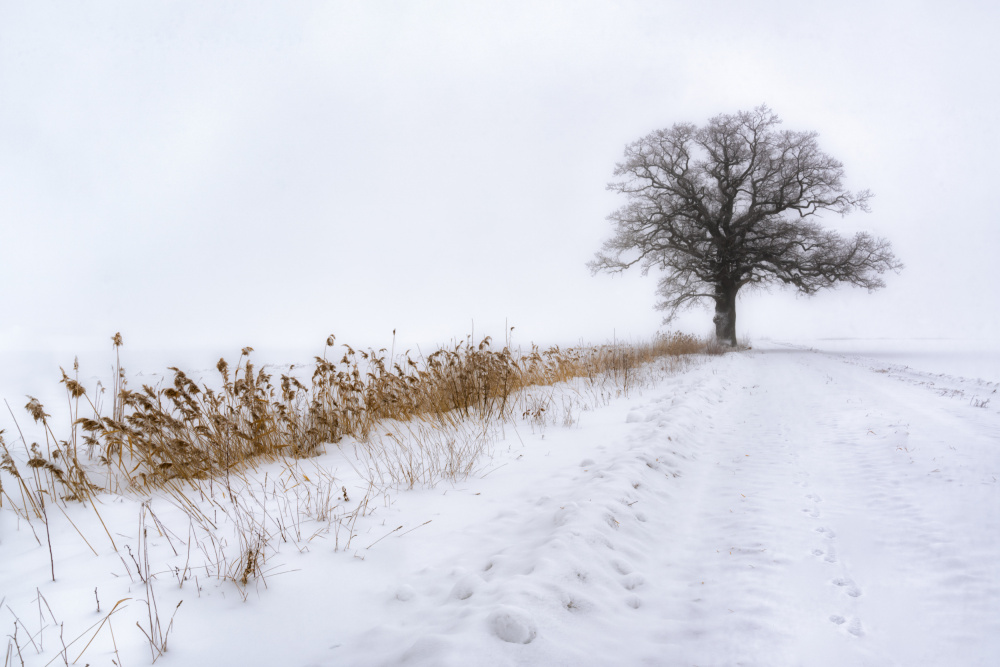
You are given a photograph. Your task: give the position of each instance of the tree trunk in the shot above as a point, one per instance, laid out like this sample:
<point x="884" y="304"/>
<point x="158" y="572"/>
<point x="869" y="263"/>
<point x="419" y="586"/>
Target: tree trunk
<point x="725" y="314"/>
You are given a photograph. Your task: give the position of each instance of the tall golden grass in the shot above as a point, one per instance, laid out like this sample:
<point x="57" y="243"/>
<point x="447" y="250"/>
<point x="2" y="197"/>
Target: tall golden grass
<point x="196" y="444"/>
<point x="191" y="431"/>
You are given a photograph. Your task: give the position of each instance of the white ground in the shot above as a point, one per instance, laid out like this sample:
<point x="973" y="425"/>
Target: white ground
<point x="783" y="506"/>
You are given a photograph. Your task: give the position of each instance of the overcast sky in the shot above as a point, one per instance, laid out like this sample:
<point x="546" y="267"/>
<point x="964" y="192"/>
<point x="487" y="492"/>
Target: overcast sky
<point x="248" y="173"/>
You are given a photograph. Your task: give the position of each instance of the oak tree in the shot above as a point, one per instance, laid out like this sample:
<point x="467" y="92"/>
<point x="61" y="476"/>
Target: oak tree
<point x="735" y="204"/>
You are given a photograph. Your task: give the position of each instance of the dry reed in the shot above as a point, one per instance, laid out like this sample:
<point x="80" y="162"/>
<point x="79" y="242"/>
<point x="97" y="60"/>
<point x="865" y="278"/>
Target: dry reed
<point x="191" y="431"/>
<point x="412" y="422"/>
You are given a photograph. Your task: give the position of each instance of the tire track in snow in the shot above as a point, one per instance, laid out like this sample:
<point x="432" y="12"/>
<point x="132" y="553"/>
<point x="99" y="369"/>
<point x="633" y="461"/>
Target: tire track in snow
<point x="909" y="557"/>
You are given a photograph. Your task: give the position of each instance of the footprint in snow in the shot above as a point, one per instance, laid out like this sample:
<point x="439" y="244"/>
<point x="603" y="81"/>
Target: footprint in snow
<point x="848" y="587"/>
<point x="465" y="587"/>
<point x="813" y="497"/>
<point x="826" y="532"/>
<point x="622" y="566"/>
<point x="811" y="511"/>
<point x="513" y="625"/>
<point x="488" y="569"/>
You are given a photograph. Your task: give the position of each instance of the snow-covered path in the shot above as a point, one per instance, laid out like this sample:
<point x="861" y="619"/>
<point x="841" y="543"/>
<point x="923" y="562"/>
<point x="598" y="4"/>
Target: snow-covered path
<point x="778" y="507"/>
<point x="775" y="507"/>
<point x="888" y="488"/>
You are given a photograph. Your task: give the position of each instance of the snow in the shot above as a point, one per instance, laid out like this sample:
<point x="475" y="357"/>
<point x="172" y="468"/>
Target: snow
<point x="968" y="358"/>
<point x="805" y="503"/>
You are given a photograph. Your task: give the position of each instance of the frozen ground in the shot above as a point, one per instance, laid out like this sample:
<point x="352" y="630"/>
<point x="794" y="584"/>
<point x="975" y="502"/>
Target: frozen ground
<point x="783" y="506"/>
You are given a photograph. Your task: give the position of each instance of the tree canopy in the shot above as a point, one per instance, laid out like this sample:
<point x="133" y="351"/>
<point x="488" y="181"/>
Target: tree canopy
<point x="736" y="204"/>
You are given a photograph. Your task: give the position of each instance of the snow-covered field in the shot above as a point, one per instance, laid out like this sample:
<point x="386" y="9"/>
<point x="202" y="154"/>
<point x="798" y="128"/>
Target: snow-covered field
<point x="970" y="359"/>
<point x="806" y="503"/>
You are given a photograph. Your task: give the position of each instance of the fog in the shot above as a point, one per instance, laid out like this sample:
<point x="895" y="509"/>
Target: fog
<point x="213" y="175"/>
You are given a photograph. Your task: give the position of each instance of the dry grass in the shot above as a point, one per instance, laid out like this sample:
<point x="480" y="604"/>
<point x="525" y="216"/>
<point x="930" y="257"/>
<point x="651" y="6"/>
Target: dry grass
<point x="192" y="431"/>
<point x="197" y="444"/>
<point x="412" y="421"/>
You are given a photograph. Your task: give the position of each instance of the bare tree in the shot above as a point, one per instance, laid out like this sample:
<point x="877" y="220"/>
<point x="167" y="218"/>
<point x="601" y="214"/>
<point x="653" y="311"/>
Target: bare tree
<point x="734" y="204"/>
